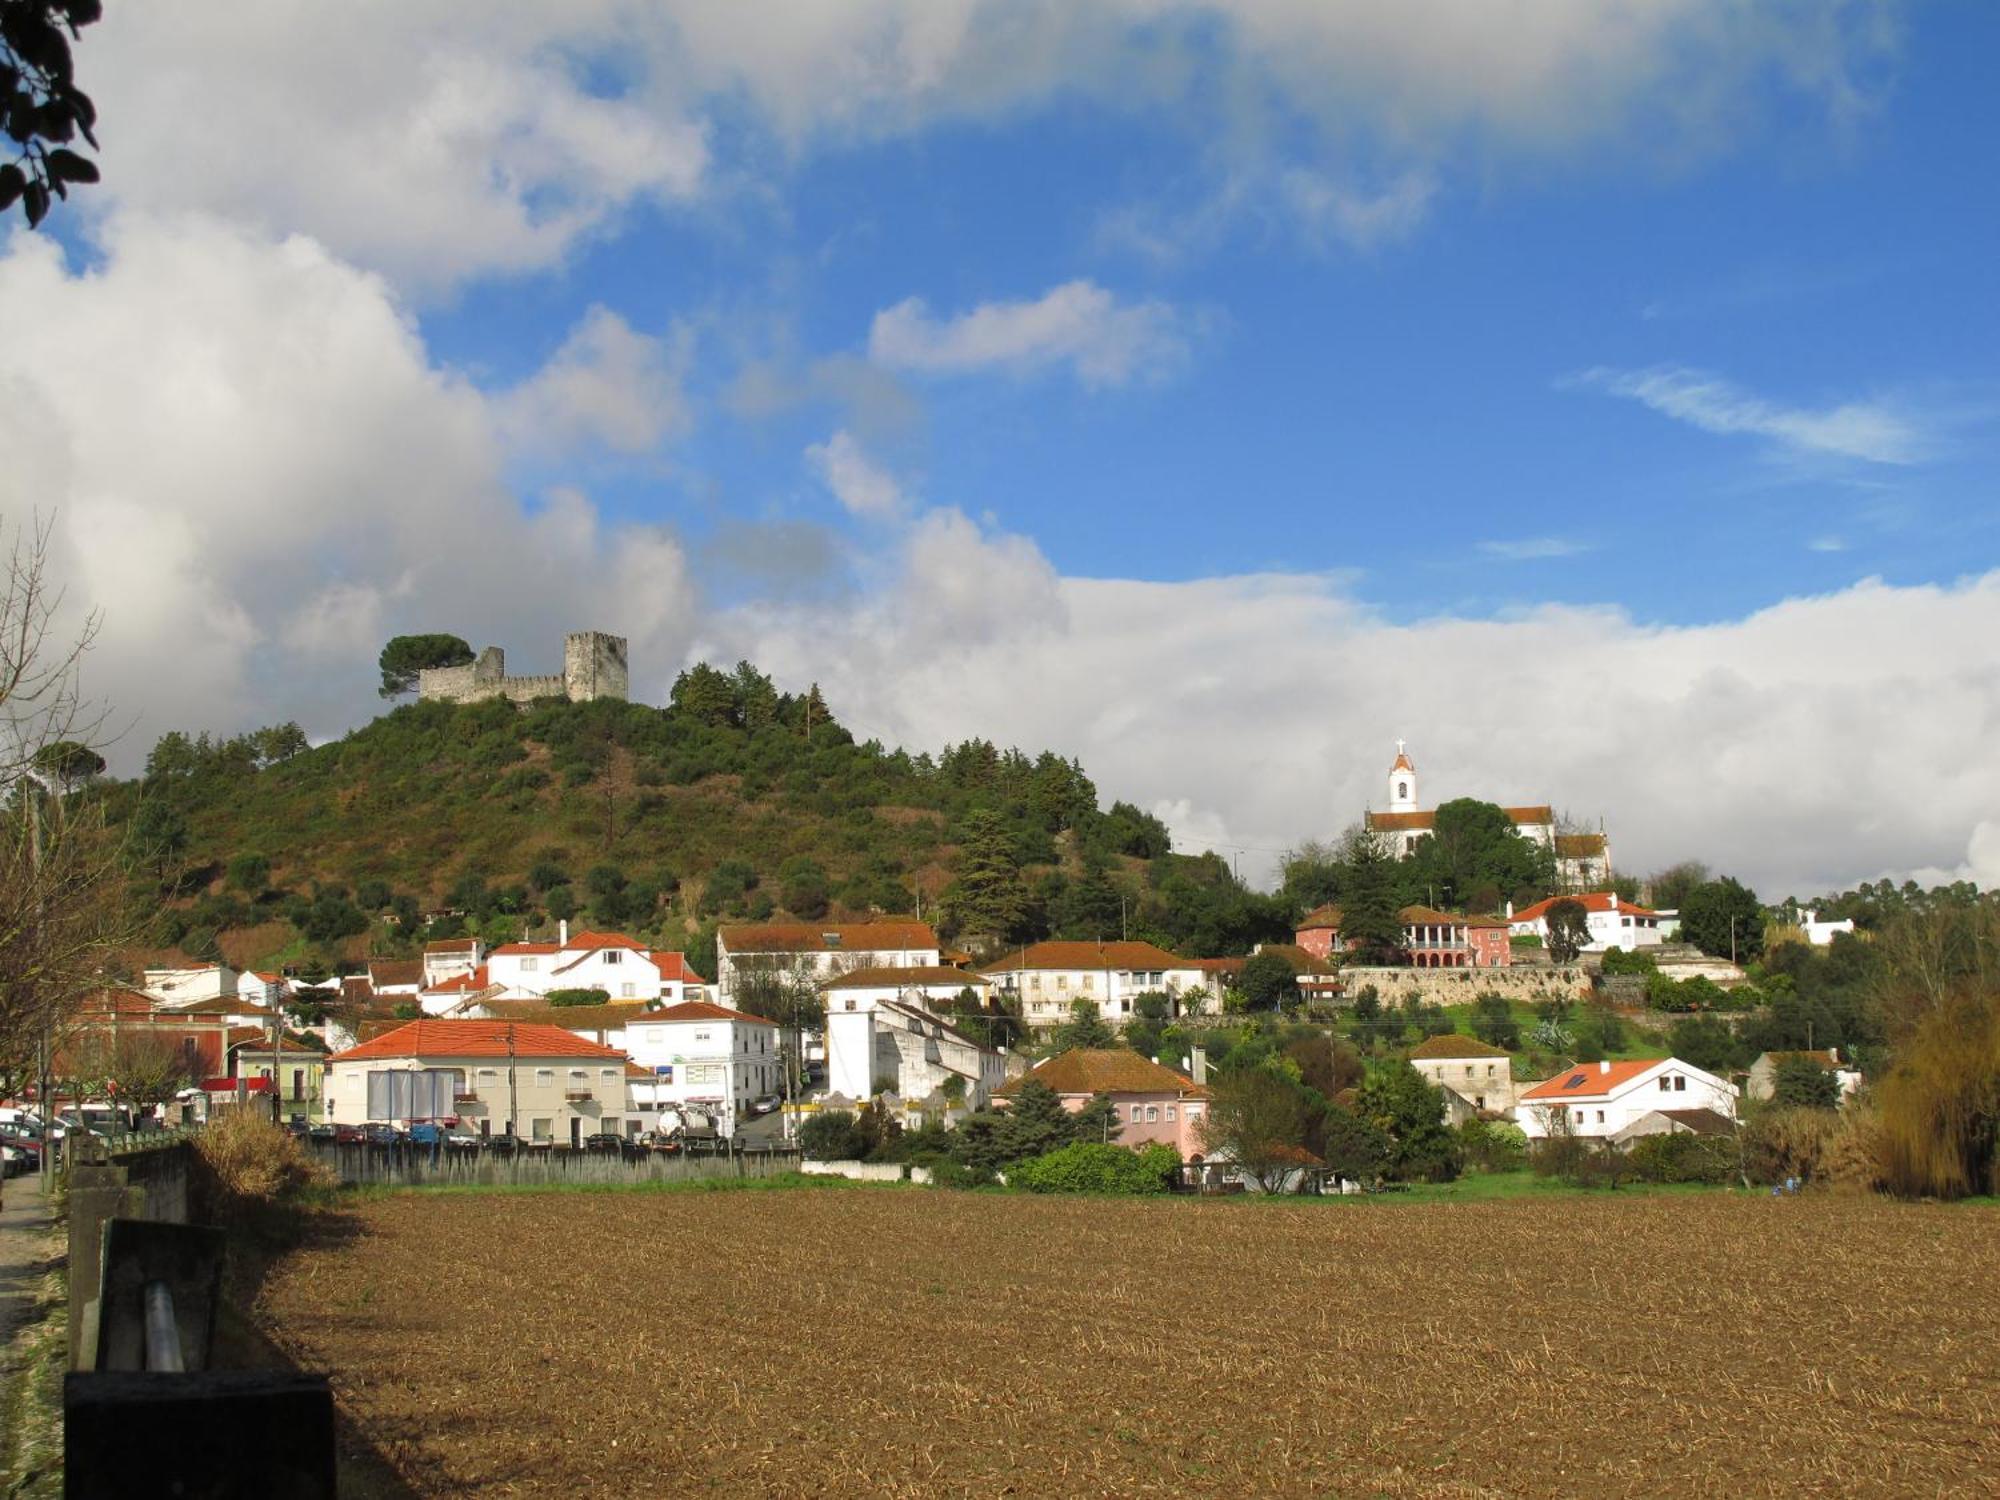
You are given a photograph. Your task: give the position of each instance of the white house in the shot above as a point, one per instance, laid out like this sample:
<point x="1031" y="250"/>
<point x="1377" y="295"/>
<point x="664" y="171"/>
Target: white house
<point x="399" y="977"/>
<point x="1047" y="979"/>
<point x="623" y="967"/>
<point x="1598" y="1100"/>
<point x="447" y="958"/>
<point x="1819" y="933"/>
<point x="1613" y="923"/>
<point x="704" y="1054"/>
<point x="813" y="952"/>
<point x="188" y="986"/>
<point x="888" y="1026"/>
<point x="1477" y="1072"/>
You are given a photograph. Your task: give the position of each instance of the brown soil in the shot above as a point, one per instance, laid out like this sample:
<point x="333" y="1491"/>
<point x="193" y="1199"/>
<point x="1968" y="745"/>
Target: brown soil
<point x="901" y="1342"/>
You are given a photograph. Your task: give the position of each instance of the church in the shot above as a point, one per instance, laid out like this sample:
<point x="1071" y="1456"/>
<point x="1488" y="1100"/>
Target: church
<point x="1583" y="860"/>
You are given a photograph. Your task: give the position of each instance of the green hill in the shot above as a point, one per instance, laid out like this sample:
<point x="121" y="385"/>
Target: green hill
<point x="735" y="802"/>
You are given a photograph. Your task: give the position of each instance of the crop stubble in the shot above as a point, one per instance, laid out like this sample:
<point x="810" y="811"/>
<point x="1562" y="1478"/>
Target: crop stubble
<point x="900" y="1342"/>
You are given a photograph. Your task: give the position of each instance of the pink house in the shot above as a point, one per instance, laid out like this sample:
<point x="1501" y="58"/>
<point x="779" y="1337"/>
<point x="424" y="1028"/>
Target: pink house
<point x="1319" y="932"/>
<point x="1153" y="1103"/>
<point x="1433" y="939"/>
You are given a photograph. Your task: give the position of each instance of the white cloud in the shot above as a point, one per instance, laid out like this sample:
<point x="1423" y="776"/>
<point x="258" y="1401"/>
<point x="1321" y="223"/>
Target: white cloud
<point x="1533" y="548"/>
<point x="856" y="480"/>
<point x="258" y="475"/>
<point x="1329" y="211"/>
<point x="1827" y="544"/>
<point x="607" y="384"/>
<point x="1874" y="431"/>
<point x="1105" y="342"/>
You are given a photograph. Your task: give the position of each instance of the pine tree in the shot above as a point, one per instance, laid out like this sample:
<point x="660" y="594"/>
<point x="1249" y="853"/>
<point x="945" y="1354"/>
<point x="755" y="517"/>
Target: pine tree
<point x="1369" y="919"/>
<point x="985" y="899"/>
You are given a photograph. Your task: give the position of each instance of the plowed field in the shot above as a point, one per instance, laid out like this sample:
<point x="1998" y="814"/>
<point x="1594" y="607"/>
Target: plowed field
<point x="903" y="1342"/>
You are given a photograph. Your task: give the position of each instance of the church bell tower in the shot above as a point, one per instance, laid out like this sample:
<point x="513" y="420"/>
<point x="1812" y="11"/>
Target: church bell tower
<point x="1402" y="782"/>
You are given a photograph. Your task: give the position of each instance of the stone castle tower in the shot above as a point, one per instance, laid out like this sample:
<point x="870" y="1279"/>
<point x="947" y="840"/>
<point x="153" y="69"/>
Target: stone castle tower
<point x="593" y="667"/>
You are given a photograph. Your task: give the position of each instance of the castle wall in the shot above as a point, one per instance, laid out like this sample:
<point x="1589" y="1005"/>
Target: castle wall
<point x="1463" y="986"/>
<point x="593" y="667"/>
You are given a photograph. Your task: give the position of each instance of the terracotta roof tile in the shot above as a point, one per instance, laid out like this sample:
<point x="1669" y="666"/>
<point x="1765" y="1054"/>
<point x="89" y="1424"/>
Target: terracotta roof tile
<point x="696" y="1010"/>
<point x="1592" y="1080"/>
<point x="1453" y="1045"/>
<point x="1599" y="901"/>
<point x="430" y="1037"/>
<point x="1070" y="955"/>
<point x="1112" y="1070"/>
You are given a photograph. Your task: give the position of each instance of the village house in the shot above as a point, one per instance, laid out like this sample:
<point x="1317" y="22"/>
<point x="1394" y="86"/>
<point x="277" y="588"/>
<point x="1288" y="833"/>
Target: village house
<point x="888" y="1030"/>
<point x="809" y="953"/>
<point x="448" y="958"/>
<point x="1675" y="1122"/>
<point x="1583" y="860"/>
<point x="1613" y="922"/>
<point x="299" y="1071"/>
<point x="1476" y="1072"/>
<point x="622" y="967"/>
<point x="1821" y="934"/>
<point x="397" y="978"/>
<point x="538" y="1083"/>
<point x="190" y="984"/>
<point x="1598" y="1100"/>
<point x="1154" y="1103"/>
<point x="604" y="1024"/>
<point x="1762" y="1082"/>
<point x="263" y="988"/>
<point x="1047" y="979"/>
<point x="1431" y="939"/>
<point x="705" y="1055"/>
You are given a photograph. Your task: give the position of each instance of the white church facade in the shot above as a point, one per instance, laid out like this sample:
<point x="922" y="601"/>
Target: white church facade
<point x="1583" y="860"/>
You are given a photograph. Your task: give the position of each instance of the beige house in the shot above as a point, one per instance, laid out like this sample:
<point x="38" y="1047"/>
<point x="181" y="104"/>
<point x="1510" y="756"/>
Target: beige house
<point x="1479" y="1073"/>
<point x="537" y="1082"/>
<point x="1047" y="979"/>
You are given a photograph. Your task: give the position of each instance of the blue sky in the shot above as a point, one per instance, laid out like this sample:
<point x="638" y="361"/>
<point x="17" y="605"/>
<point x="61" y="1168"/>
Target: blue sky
<point x="1599" y="394"/>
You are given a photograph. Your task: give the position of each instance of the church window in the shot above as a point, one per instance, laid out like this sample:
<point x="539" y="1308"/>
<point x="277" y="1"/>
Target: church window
<point x="1402" y="789"/>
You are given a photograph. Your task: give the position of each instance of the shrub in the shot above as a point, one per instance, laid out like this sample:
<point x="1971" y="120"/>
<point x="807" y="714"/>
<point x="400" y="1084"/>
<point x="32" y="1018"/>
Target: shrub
<point x="831" y="1135"/>
<point x="1091" y="1167"/>
<point x="1627" y="961"/>
<point x="1681" y="1157"/>
<point x="1492" y="1145"/>
<point x="578" y="997"/>
<point x="1940" y="1106"/>
<point x="1803" y="1082"/>
<point x="1787" y="1142"/>
<point x="252" y="1174"/>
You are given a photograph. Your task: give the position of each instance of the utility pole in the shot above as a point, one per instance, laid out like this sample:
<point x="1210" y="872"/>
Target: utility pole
<point x="513" y="1094"/>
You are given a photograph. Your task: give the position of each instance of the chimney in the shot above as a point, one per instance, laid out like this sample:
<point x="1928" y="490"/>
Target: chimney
<point x="1198" y="1064"/>
<point x="1605" y="1066"/>
<point x="562" y="932"/>
<point x="1614" y="901"/>
<point x="1510" y="911"/>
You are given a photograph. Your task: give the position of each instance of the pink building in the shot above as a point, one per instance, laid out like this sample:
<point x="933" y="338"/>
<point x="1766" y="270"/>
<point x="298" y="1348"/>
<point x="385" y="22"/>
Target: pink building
<point x="1433" y="939"/>
<point x="1153" y="1103"/>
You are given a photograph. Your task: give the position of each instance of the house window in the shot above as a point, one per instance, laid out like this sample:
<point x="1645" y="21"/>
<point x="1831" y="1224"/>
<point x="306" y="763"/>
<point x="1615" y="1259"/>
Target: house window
<point x="545" y="1076"/>
<point x="542" y="1130"/>
<point x="1194" y="1112"/>
<point x="1468" y="1070"/>
<point x="612" y="955"/>
<point x="1138" y="1114"/>
<point x="1090" y="981"/>
<point x="1170" y="1114"/>
<point x="850" y="1005"/>
<point x="1153" y="1113"/>
<point x="1579" y="1117"/>
<point x="1680" y="1084"/>
<point x="1600" y="1117"/>
<point x="1062" y="981"/>
<point x="628" y="990"/>
<point x="1125" y="1007"/>
<point x="608" y="1075"/>
<point x="1666" y="1083"/>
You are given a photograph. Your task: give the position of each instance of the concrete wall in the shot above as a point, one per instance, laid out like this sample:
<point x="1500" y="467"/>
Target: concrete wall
<point x="145" y="1184"/>
<point x="865" y="1171"/>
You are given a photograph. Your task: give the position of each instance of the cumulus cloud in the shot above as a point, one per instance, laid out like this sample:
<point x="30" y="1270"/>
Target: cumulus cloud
<point x="607" y="384"/>
<point x="1874" y="431"/>
<point x="864" y="487"/>
<point x="258" y="474"/>
<point x="1079" y="324"/>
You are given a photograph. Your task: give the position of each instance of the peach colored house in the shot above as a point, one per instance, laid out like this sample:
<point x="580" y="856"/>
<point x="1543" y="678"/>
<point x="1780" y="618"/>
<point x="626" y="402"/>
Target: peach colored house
<point x="1433" y="939"/>
<point x="1154" y="1103"/>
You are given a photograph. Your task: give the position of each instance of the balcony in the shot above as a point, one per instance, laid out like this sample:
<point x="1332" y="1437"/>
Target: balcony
<point x="578" y="1096"/>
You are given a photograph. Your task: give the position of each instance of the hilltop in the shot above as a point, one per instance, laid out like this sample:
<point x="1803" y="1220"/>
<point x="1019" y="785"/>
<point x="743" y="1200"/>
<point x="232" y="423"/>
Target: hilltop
<point x="735" y="802"/>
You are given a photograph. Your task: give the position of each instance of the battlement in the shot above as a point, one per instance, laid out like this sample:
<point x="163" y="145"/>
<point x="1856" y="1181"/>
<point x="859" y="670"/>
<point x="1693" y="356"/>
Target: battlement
<point x="593" y="667"/>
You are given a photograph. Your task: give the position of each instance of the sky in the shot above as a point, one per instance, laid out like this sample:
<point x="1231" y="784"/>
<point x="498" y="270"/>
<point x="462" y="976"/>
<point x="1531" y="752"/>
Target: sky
<point x="1599" y="395"/>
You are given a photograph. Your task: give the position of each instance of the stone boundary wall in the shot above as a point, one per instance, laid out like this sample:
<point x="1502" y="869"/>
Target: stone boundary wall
<point x="147" y="1183"/>
<point x="865" y="1171"/>
<point x="1463" y="986"/>
<point x="418" y="1166"/>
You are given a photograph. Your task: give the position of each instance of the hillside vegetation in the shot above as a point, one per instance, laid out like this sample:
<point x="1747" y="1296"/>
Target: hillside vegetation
<point x="736" y="801"/>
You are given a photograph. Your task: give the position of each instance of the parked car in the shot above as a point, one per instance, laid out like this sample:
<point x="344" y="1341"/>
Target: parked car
<point x="16" y="1160"/>
<point x="458" y="1138"/>
<point x="376" y="1133"/>
<point x="501" y="1145"/>
<point x="323" y="1132"/>
<point x="349" y="1135"/>
<point x="604" y="1140"/>
<point x="764" y="1104"/>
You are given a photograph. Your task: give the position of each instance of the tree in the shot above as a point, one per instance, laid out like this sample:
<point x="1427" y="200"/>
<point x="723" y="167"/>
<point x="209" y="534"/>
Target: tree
<point x="159" y="835"/>
<point x="1268" y="982"/>
<point x="1370" y="919"/>
<point x="407" y="655"/>
<point x="1327" y="1065"/>
<point x="1493" y="1022"/>
<point x="1353" y="1147"/>
<point x="705" y="695"/>
<point x="44" y="108"/>
<point x="1802" y="1081"/>
<point x="1569" y="930"/>
<point x="279" y="742"/>
<point x="69" y="764"/>
<point x="1670" y="888"/>
<point x="251" y="874"/>
<point x="1397" y="1100"/>
<point x="985" y="898"/>
<point x="1097" y="1121"/>
<point x="1035" y="1123"/>
<point x="1724" y="919"/>
<point x="1474" y="847"/>
<point x="1258" y="1119"/>
<point x="1084" y="1028"/>
<point x="802" y="887"/>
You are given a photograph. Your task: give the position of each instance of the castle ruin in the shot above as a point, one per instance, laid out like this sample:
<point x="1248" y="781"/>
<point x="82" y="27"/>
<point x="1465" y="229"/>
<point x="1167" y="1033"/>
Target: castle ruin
<point x="593" y="667"/>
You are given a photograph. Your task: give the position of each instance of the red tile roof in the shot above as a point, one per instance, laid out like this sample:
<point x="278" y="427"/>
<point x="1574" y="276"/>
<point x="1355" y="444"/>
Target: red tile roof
<point x="1402" y="762"/>
<point x="257" y="1038"/>
<point x="1538" y="815"/>
<point x="451" y="945"/>
<point x="584" y="941"/>
<point x="883" y="977"/>
<point x="383" y="972"/>
<point x="675" y="966"/>
<point x="1453" y="1045"/>
<point x="1321" y="916"/>
<point x="1111" y="1070"/>
<point x="1592" y="1080"/>
<point x="434" y="1038"/>
<point x="811" y="937"/>
<point x="696" y="1010"/>
<point x="461" y="984"/>
<point x="1594" y="901"/>
<point x="1071" y="955"/>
